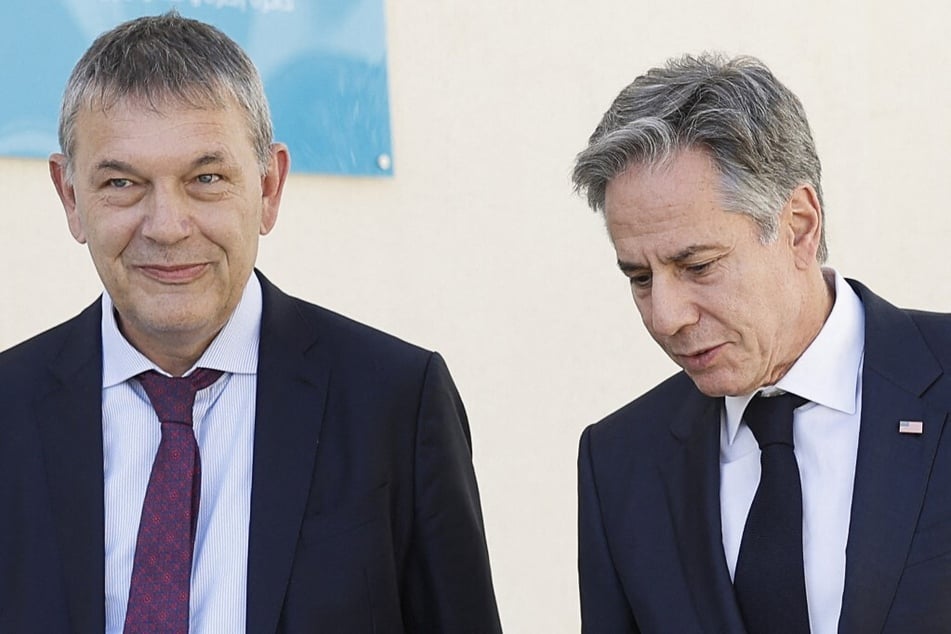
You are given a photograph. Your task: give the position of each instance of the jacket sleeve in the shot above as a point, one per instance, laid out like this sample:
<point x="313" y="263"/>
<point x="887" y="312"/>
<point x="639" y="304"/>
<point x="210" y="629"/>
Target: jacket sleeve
<point x="448" y="583"/>
<point x="604" y="607"/>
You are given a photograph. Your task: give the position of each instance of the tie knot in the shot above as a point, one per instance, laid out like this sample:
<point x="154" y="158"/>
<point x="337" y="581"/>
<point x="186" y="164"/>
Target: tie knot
<point x="770" y="418"/>
<point x="173" y="397"/>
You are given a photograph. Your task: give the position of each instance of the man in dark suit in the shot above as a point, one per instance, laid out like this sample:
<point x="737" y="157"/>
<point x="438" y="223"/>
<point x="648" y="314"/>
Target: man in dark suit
<point x="691" y="517"/>
<point x="332" y="488"/>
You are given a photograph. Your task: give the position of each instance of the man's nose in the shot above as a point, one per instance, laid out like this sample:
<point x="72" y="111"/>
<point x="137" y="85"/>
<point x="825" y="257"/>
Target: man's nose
<point x="168" y="215"/>
<point x="672" y="307"/>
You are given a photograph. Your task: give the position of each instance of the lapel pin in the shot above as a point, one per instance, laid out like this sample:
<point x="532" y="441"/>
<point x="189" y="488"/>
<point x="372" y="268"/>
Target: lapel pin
<point x="910" y="427"/>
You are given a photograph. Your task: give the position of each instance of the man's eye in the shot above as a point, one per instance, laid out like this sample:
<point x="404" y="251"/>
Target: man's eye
<point x="208" y="179"/>
<point x="641" y="281"/>
<point x="120" y="183"/>
<point x="699" y="269"/>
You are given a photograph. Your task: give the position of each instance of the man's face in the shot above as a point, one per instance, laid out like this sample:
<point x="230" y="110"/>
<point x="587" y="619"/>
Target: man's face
<point x="724" y="306"/>
<point x="171" y="204"/>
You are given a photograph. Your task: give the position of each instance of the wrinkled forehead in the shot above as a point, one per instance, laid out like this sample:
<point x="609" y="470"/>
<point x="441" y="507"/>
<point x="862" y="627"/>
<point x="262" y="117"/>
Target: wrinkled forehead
<point x="106" y="110"/>
<point x="683" y="174"/>
<point x="683" y="177"/>
<point x="104" y="97"/>
<point x="145" y="136"/>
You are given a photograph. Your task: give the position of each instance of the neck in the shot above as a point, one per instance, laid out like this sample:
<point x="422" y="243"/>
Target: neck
<point x="818" y="298"/>
<point x="808" y="317"/>
<point x="174" y="353"/>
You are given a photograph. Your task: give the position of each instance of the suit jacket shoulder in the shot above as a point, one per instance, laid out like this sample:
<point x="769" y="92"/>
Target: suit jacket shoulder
<point x="337" y="332"/>
<point x="935" y="328"/>
<point x="365" y="511"/>
<point x="25" y="367"/>
<point x="646" y="420"/>
<point x="51" y="556"/>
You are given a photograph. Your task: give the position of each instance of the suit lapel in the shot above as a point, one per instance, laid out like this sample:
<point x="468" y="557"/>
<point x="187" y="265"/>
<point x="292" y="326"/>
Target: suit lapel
<point x="691" y="474"/>
<point x="292" y="388"/>
<point x="70" y="424"/>
<point x="892" y="469"/>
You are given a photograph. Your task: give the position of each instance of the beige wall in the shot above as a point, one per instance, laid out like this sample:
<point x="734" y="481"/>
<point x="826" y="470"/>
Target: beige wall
<point x="478" y="248"/>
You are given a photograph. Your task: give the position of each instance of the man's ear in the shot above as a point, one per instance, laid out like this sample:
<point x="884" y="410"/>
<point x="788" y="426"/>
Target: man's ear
<point x="272" y="185"/>
<point x="805" y="220"/>
<point x="67" y="195"/>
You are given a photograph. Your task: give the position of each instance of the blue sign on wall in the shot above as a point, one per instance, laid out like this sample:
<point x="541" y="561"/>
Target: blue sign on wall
<point x="323" y="63"/>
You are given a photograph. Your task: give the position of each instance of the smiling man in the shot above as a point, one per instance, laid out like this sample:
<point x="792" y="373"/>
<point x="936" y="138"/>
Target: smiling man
<point x="793" y="477"/>
<point x="197" y="451"/>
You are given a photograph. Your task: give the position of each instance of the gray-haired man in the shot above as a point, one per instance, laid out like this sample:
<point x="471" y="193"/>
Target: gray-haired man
<point x="697" y="511"/>
<point x="198" y="449"/>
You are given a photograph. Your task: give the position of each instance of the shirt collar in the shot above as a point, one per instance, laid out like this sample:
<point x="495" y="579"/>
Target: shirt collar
<point x="234" y="349"/>
<point x="827" y="373"/>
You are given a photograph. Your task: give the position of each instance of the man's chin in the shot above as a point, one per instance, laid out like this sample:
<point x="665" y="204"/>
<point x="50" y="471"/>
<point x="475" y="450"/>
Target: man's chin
<point x="713" y="384"/>
<point x="171" y="318"/>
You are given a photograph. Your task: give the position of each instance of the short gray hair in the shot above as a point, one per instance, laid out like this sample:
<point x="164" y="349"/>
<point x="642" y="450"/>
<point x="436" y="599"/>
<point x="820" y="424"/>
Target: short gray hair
<point x="161" y="60"/>
<point x="753" y="127"/>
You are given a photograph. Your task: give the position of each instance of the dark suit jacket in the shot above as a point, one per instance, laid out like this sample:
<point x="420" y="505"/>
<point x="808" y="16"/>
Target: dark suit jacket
<point x="650" y="547"/>
<point x="365" y="515"/>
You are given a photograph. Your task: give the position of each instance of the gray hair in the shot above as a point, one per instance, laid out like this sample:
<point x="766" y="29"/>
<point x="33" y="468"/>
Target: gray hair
<point x="161" y="60"/>
<point x="753" y="127"/>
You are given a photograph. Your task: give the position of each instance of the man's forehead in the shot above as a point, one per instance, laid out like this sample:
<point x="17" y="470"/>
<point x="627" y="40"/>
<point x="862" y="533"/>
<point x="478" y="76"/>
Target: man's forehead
<point x="678" y="177"/>
<point x="104" y="96"/>
<point x="130" y="133"/>
<point x="682" y="235"/>
<point x="161" y="107"/>
<point x="682" y="194"/>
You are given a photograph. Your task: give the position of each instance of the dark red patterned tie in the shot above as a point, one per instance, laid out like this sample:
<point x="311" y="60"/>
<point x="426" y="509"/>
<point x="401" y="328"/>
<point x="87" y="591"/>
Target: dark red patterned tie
<point x="161" y="570"/>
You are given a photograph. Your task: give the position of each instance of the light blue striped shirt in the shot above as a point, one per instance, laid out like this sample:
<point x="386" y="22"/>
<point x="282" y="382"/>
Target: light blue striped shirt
<point x="224" y="426"/>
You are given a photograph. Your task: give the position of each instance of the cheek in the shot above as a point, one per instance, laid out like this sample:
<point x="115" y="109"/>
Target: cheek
<point x="107" y="229"/>
<point x="232" y="222"/>
<point x="758" y="328"/>
<point x="109" y="239"/>
<point x="235" y="239"/>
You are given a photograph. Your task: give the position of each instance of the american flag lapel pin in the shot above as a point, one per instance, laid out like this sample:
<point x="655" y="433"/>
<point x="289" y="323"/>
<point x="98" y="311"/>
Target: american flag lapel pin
<point x="910" y="427"/>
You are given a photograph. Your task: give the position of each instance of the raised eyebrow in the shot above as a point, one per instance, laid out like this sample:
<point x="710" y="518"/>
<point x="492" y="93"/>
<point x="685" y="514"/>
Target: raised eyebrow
<point x="631" y="267"/>
<point x="692" y="252"/>
<point x="122" y="166"/>
<point x="212" y="158"/>
<point x="112" y="164"/>
<point x="686" y="254"/>
<point x="678" y="258"/>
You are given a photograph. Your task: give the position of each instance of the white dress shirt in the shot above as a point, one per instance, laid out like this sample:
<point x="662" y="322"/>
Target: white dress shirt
<point x="224" y="428"/>
<point x="826" y="436"/>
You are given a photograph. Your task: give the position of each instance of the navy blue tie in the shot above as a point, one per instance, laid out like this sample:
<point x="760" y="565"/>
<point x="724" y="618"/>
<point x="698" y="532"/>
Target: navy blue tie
<point x="769" y="580"/>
